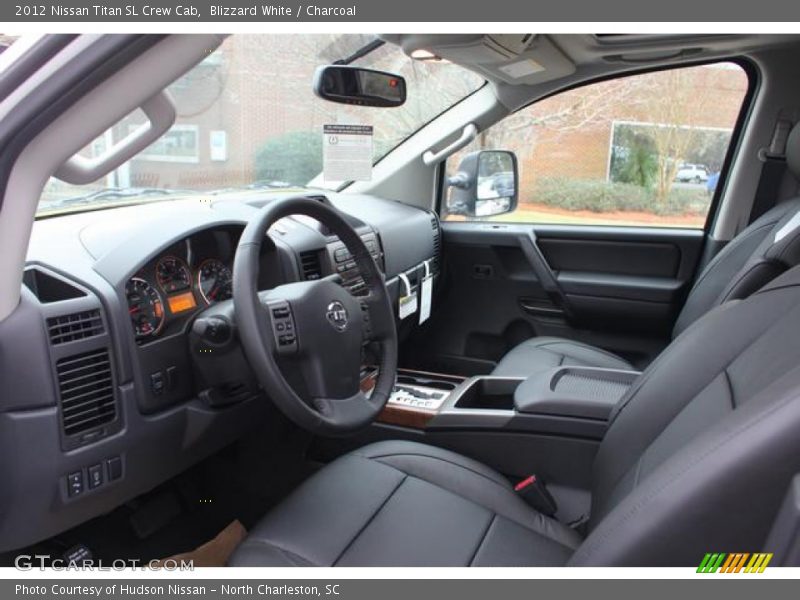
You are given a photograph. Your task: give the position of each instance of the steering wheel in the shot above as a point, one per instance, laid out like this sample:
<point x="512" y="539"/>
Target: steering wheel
<point x="316" y="326"/>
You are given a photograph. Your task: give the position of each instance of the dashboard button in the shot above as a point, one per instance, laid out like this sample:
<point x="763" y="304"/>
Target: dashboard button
<point x="75" y="483"/>
<point x="114" y="468"/>
<point x="95" y="473"/>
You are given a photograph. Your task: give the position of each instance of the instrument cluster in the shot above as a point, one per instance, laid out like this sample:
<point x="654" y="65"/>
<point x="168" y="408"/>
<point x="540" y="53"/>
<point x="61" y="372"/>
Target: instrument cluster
<point x="187" y="277"/>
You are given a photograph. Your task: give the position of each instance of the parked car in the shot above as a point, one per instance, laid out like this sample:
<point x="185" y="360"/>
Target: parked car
<point x="503" y="184"/>
<point x="693" y="173"/>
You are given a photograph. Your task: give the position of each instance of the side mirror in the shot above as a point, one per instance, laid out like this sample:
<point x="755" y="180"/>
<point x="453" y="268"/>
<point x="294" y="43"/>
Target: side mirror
<point x="486" y="184"/>
<point x="363" y="87"/>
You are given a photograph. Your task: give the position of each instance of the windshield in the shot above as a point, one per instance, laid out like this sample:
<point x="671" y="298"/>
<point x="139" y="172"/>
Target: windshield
<point x="249" y="120"/>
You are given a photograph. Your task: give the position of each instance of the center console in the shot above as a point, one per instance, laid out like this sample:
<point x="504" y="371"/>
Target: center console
<point x="566" y="401"/>
<point x="549" y="424"/>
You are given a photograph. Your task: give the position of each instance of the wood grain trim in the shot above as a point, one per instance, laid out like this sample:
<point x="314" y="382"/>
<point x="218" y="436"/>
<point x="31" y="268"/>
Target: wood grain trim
<point x="416" y="418"/>
<point x="368" y="383"/>
<point x="405" y="416"/>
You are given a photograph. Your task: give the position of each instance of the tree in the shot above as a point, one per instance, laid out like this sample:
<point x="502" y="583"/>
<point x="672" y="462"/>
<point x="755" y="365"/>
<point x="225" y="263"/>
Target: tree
<point x="675" y="101"/>
<point x="294" y="157"/>
<point x="633" y="156"/>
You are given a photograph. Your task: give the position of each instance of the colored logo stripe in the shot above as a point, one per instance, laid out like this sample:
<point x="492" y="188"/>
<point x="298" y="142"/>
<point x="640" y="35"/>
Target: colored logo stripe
<point x="758" y="563"/>
<point x="735" y="562"/>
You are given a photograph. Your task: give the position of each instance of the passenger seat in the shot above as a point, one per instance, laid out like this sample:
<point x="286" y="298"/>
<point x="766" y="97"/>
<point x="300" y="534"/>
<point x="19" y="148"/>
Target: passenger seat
<point x="765" y="249"/>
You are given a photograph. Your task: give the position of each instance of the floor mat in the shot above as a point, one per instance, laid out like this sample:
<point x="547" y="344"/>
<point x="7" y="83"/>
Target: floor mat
<point x="214" y="553"/>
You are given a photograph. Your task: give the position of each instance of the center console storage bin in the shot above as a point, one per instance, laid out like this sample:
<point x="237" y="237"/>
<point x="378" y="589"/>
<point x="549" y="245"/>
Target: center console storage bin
<point x="586" y="392"/>
<point x="489" y="393"/>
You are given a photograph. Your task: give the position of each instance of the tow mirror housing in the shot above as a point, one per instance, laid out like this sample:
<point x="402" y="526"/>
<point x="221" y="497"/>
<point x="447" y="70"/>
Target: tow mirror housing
<point x="486" y="185"/>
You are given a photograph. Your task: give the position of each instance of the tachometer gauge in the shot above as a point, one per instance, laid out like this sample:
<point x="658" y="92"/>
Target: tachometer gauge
<point x="173" y="275"/>
<point x="214" y="280"/>
<point x="145" y="308"/>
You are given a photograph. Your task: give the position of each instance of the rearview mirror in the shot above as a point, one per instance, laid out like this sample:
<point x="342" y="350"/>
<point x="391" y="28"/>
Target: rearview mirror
<point x="485" y="185"/>
<point x="363" y="87"/>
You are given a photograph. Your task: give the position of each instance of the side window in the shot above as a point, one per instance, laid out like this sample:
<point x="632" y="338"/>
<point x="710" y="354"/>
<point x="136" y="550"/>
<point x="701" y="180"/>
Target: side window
<point x="643" y="150"/>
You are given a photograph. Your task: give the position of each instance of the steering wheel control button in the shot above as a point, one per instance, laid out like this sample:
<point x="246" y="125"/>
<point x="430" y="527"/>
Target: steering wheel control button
<point x="75" y="483"/>
<point x="283" y="327"/>
<point x="281" y="312"/>
<point x="95" y="473"/>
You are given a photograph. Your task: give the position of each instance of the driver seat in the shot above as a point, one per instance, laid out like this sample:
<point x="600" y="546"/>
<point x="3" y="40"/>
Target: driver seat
<point x="697" y="458"/>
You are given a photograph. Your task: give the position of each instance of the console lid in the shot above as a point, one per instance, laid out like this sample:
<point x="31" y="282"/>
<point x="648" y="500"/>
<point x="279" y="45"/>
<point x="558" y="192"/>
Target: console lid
<point x="586" y="392"/>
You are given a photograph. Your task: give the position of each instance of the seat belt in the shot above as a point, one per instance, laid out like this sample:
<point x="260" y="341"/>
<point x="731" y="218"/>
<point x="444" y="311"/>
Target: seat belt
<point x="773" y="169"/>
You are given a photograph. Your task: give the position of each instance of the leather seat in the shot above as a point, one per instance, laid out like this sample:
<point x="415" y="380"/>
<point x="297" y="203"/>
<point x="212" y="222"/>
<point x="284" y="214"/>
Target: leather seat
<point x="697" y="458"/>
<point x="762" y="251"/>
<point x="423" y="506"/>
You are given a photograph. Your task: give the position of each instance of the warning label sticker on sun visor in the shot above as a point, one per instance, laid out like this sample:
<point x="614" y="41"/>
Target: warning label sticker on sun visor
<point x="347" y="152"/>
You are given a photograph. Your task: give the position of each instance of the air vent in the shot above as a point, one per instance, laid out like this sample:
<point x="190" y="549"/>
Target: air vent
<point x="437" y="243"/>
<point x="77" y="326"/>
<point x="87" y="391"/>
<point x="310" y="265"/>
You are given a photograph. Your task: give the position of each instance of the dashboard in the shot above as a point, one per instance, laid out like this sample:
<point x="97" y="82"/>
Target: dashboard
<point x="107" y="390"/>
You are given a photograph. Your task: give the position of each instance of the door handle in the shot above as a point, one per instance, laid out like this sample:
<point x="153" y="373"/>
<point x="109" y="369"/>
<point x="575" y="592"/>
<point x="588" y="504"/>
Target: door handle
<point x="538" y="308"/>
<point x="482" y="271"/>
<point x="544" y="273"/>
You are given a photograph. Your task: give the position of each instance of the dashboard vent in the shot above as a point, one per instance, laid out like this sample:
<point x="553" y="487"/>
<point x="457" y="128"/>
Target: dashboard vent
<point x="310" y="265"/>
<point x="77" y="326"/>
<point x="437" y="242"/>
<point x="87" y="391"/>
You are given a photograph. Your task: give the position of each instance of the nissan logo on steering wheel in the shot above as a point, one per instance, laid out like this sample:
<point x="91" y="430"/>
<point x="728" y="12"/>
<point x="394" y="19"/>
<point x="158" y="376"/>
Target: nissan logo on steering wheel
<point x="337" y="315"/>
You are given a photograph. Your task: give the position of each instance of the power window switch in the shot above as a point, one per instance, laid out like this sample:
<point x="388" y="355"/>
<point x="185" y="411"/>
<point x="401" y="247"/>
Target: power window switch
<point x="95" y="473"/>
<point x="75" y="484"/>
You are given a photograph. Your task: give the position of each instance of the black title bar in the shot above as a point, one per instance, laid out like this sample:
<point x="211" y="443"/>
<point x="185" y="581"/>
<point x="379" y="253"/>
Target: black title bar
<point x="444" y="11"/>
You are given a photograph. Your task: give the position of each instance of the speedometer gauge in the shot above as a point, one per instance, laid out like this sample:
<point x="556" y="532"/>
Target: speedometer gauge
<point x="145" y="308"/>
<point x="173" y="275"/>
<point x="214" y="280"/>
